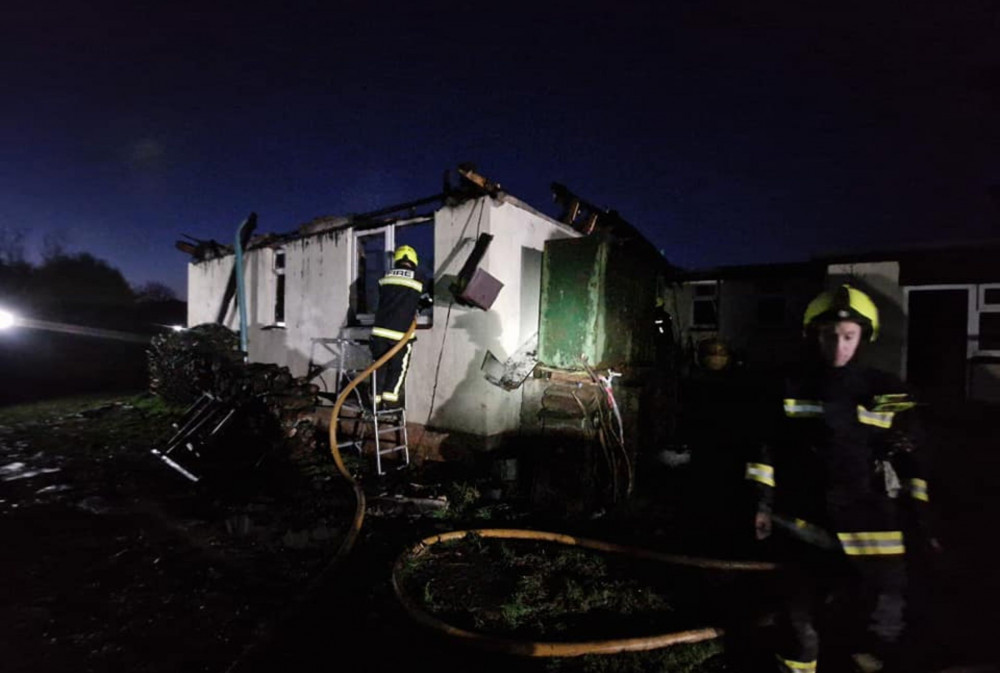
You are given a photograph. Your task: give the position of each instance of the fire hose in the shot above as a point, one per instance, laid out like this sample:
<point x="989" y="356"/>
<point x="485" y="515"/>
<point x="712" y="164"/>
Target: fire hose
<point x="504" y="645"/>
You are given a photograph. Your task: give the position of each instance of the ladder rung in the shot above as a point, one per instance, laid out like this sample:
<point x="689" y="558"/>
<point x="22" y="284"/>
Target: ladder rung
<point x="401" y="447"/>
<point x="390" y="429"/>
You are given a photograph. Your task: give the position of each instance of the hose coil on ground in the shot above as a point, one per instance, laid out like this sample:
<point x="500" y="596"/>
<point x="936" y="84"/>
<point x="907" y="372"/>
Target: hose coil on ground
<point x="562" y="649"/>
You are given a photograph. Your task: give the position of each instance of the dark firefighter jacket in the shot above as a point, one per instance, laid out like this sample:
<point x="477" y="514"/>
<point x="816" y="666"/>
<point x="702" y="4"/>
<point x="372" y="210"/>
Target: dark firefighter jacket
<point x="840" y="455"/>
<point x="399" y="297"/>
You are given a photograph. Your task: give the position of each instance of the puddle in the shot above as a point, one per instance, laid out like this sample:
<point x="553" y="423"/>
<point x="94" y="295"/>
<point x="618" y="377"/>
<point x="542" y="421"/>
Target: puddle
<point x="95" y="504"/>
<point x="55" y="488"/>
<point x="32" y="473"/>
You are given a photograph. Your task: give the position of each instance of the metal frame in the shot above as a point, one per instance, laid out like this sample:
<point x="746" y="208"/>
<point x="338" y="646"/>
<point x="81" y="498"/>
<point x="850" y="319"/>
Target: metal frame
<point x="190" y="434"/>
<point x="389" y="231"/>
<point x="971" y="327"/>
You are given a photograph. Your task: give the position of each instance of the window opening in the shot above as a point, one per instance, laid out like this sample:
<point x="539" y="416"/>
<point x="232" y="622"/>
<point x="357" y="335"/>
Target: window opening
<point x="279" y="287"/>
<point x="705" y="305"/>
<point x="420" y="237"/>
<point x="373" y="251"/>
<point x="989" y="331"/>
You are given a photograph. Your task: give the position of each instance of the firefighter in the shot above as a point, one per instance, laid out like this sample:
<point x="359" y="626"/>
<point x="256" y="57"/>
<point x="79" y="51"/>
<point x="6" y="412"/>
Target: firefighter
<point x="401" y="295"/>
<point x="837" y="471"/>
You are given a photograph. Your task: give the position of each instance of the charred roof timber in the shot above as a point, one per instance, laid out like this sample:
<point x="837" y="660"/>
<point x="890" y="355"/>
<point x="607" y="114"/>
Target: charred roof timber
<point x="471" y="185"/>
<point x="590" y="220"/>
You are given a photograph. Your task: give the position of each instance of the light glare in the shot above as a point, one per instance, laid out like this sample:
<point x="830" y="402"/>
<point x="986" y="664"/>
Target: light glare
<point x="7" y="319"/>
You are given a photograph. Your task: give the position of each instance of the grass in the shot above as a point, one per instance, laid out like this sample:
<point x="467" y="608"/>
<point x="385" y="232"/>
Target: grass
<point x="538" y="591"/>
<point x="93" y="421"/>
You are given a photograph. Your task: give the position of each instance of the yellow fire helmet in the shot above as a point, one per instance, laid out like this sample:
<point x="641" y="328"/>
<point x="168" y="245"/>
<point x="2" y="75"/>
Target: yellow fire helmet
<point x="844" y="303"/>
<point x="407" y="253"/>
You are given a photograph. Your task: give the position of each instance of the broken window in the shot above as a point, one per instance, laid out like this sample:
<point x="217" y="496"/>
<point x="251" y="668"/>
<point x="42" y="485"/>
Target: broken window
<point x="371" y="261"/>
<point x="420" y="237"/>
<point x="373" y="251"/>
<point x="705" y="305"/>
<point x="279" y="287"/>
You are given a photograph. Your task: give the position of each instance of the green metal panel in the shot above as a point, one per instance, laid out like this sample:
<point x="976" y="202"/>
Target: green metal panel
<point x="597" y="296"/>
<point x="572" y="270"/>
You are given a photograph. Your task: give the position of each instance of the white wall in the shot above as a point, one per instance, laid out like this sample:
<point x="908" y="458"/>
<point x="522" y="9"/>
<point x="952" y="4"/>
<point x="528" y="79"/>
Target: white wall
<point x="317" y="298"/>
<point x="463" y="399"/>
<point x="317" y="295"/>
<point x="206" y="285"/>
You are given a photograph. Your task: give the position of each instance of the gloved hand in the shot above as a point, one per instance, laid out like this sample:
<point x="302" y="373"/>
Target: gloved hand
<point x="762" y="525"/>
<point x="425" y="301"/>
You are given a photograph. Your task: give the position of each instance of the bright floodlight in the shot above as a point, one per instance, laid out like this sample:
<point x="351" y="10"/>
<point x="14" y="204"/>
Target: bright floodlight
<point x="7" y="319"/>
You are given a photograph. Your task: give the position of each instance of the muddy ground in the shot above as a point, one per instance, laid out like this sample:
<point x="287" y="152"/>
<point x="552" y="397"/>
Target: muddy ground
<point x="112" y="561"/>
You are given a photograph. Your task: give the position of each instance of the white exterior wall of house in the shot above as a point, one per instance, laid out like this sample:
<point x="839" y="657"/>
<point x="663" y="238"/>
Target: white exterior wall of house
<point x="318" y="277"/>
<point x="463" y="399"/>
<point x="206" y="284"/>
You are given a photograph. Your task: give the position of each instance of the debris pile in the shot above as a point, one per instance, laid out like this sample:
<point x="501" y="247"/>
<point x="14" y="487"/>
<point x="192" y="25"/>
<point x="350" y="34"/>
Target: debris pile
<point x="184" y="364"/>
<point x="206" y="359"/>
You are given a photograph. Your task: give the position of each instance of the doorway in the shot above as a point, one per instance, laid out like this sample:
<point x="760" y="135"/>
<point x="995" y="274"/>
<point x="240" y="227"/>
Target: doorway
<point x="937" y="343"/>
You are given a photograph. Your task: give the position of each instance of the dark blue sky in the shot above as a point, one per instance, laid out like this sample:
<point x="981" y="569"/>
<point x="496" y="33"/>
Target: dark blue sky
<point x="727" y="134"/>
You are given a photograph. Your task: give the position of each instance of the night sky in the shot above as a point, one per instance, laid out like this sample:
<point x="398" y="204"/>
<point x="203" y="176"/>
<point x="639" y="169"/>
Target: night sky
<point x="727" y="132"/>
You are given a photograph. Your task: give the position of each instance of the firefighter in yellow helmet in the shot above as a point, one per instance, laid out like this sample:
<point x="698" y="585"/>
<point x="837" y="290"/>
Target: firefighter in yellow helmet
<point x="837" y="475"/>
<point x="401" y="294"/>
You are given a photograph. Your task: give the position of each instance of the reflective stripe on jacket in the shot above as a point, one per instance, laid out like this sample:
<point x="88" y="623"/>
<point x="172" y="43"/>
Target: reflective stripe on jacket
<point x="398" y="296"/>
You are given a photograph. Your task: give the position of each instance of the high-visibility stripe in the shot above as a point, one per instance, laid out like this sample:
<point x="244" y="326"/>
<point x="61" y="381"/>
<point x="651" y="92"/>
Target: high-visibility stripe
<point x="799" y="666"/>
<point x="393" y="395"/>
<point x="918" y="490"/>
<point x="880" y="419"/>
<point x="387" y="333"/>
<point x="894" y="402"/>
<point x="760" y="472"/>
<point x="405" y="282"/>
<point x="872" y="543"/>
<point x="803" y="408"/>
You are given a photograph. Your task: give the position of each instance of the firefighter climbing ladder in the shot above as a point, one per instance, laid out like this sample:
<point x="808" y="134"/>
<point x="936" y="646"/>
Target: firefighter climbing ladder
<point x="387" y="426"/>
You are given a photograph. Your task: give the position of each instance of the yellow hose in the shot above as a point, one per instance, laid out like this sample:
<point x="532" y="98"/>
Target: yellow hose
<point x="523" y="648"/>
<point x="359" y="494"/>
<point x="563" y="649"/>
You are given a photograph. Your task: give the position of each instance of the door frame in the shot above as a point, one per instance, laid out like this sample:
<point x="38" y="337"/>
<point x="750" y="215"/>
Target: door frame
<point x="971" y="320"/>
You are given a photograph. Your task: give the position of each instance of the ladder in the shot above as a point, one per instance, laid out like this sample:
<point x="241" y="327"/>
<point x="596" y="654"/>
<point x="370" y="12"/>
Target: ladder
<point x="388" y="426"/>
<point x="388" y="430"/>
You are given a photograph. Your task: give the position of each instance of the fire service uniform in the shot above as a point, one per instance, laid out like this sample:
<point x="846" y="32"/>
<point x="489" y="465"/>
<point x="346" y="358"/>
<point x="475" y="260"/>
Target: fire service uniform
<point x="401" y="294"/>
<point x="839" y="471"/>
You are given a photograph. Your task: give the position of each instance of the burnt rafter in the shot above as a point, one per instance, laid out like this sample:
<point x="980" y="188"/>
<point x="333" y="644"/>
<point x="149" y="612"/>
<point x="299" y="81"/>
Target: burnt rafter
<point x="583" y="215"/>
<point x="471" y="185"/>
<point x="201" y="249"/>
<point x="590" y="219"/>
